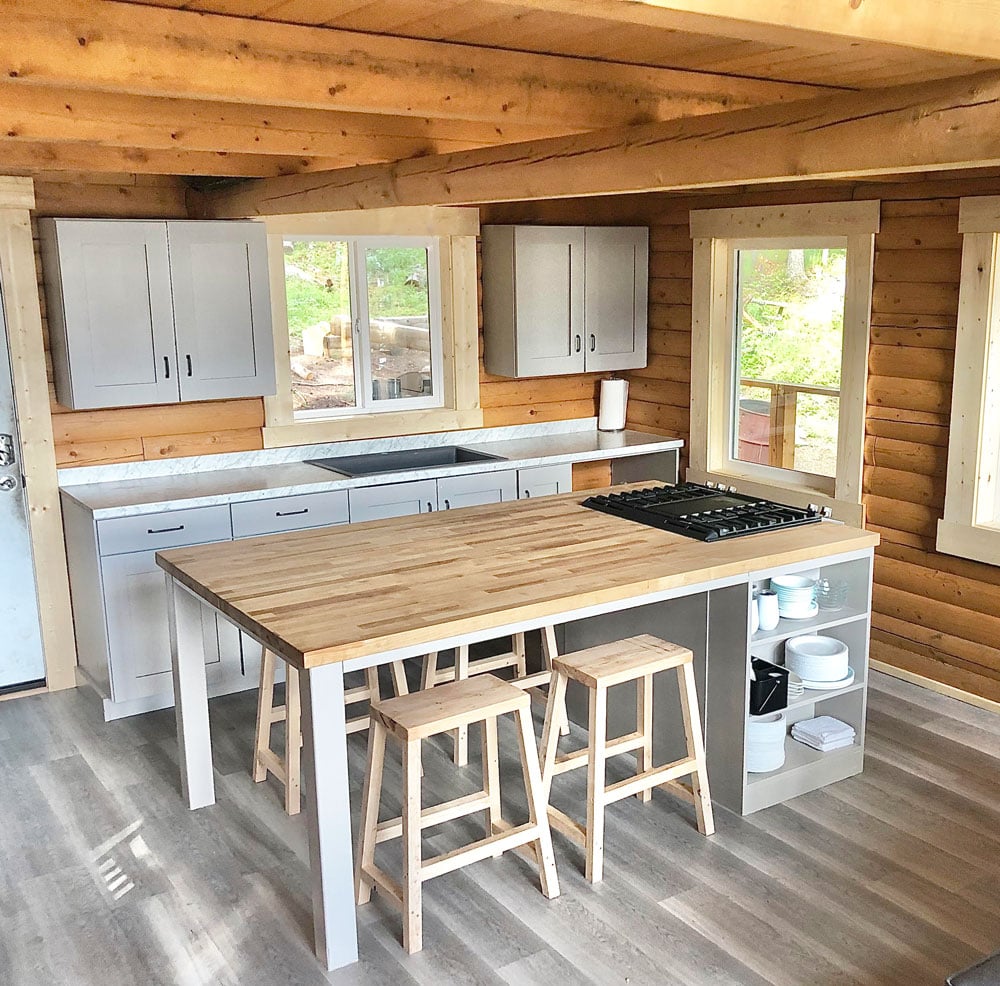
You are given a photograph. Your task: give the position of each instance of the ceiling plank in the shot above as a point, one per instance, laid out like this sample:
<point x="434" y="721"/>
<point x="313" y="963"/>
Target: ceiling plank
<point x="919" y="127"/>
<point x="967" y="27"/>
<point x="38" y="114"/>
<point x="153" y="51"/>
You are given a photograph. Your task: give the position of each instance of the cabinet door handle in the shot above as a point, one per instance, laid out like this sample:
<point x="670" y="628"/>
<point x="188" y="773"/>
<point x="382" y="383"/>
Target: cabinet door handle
<point x="164" y="530"/>
<point x="190" y="369"/>
<point x="527" y="494"/>
<point x="290" y="513"/>
<point x="166" y="367"/>
<point x="593" y="342"/>
<point x="430" y="507"/>
<point x="579" y="342"/>
<point x="447" y="504"/>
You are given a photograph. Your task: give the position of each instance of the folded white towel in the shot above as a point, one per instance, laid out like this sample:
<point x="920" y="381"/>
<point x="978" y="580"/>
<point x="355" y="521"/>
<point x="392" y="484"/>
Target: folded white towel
<point x="823" y="729"/>
<point x="825" y="747"/>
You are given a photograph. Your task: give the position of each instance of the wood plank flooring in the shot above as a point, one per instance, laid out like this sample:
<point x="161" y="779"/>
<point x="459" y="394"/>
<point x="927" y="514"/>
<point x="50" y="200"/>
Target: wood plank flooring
<point x="891" y="878"/>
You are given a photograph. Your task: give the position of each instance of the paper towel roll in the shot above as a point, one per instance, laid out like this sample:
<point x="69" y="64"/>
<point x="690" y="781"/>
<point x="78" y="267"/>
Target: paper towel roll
<point x="614" y="397"/>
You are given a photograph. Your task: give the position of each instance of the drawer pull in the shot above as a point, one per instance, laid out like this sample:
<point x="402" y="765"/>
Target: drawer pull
<point x="166" y="367"/>
<point x="164" y="530"/>
<point x="290" y="513"/>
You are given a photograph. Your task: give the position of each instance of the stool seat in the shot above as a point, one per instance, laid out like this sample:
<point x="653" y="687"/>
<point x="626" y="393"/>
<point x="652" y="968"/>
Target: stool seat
<point x="622" y="660"/>
<point x="459" y="703"/>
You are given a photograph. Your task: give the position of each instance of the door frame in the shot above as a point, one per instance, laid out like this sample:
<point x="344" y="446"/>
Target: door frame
<point x="34" y="417"/>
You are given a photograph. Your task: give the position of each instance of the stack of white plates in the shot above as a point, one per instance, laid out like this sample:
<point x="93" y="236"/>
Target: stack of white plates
<point x="796" y="596"/>
<point x="766" y="743"/>
<point x="795" y="686"/>
<point x="821" y="662"/>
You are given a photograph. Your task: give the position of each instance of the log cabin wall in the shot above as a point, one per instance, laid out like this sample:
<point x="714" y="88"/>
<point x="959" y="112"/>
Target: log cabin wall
<point x="132" y="434"/>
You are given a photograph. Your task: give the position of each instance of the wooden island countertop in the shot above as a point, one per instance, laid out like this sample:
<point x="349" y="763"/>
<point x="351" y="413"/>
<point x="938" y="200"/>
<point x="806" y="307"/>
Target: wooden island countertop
<point x="334" y="594"/>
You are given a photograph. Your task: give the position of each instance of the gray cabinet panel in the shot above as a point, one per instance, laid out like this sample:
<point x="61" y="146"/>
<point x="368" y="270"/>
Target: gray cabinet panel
<point x="392" y="500"/>
<point x="471" y="491"/>
<point x="617" y="275"/>
<point x="110" y="317"/>
<point x="290" y="513"/>
<point x="222" y="309"/>
<point x="544" y="480"/>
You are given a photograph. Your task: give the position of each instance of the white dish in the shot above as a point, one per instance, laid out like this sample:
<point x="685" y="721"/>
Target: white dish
<point x="798" y="612"/>
<point x="817" y="658"/>
<point x="795" y="686"/>
<point x="793" y="582"/>
<point x="825" y="686"/>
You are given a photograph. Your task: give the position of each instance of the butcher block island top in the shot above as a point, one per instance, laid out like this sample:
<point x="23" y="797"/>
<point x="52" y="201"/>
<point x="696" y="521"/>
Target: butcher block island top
<point x="333" y="594"/>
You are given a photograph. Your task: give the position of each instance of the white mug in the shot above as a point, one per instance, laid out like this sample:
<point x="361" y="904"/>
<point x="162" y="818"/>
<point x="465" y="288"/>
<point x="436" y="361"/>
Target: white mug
<point x="767" y="609"/>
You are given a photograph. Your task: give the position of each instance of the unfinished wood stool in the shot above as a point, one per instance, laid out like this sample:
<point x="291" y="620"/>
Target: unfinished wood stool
<point x="598" y="668"/>
<point x="412" y="719"/>
<point x="514" y="658"/>
<point x="287" y="768"/>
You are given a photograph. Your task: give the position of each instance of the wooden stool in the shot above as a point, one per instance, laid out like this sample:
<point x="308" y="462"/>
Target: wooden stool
<point x="598" y="668"/>
<point x="287" y="769"/>
<point x="414" y="718"/>
<point x="514" y="658"/>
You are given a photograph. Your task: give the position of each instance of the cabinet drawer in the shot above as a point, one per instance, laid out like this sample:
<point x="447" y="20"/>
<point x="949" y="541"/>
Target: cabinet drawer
<point x="289" y="513"/>
<point x="164" y="530"/>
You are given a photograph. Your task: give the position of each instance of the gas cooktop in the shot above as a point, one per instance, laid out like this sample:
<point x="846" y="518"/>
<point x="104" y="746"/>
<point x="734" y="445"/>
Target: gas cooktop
<point x="707" y="513"/>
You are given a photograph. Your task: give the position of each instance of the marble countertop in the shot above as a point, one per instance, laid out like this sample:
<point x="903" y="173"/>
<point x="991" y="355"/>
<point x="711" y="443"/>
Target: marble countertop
<point x="131" y="494"/>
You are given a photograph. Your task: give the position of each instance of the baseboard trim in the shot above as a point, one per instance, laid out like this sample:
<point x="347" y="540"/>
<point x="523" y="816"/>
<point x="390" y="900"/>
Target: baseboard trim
<point x="936" y="686"/>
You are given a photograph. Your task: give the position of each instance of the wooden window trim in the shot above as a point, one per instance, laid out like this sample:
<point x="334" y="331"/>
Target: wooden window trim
<point x="717" y="233"/>
<point x="456" y="231"/>
<point x="971" y="524"/>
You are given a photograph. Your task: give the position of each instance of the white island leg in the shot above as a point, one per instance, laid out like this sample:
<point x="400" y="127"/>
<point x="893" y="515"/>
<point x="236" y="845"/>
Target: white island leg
<point x="187" y="658"/>
<point x="328" y="815"/>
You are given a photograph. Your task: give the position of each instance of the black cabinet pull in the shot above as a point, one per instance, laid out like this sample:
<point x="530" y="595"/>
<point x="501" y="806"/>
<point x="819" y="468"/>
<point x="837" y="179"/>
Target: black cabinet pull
<point x="447" y="504"/>
<point x="593" y="342"/>
<point x="164" y="530"/>
<point x="430" y="507"/>
<point x="578" y="343"/>
<point x="290" y="513"/>
<point x="190" y="370"/>
<point x="527" y="494"/>
<point x="166" y="367"/>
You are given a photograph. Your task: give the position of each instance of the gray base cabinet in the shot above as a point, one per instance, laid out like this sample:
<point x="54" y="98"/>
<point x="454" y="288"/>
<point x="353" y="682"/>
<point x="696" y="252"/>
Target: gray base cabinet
<point x="145" y="312"/>
<point x="564" y="299"/>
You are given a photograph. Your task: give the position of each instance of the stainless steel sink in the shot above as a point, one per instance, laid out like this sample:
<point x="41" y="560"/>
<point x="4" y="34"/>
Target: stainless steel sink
<point x="403" y="460"/>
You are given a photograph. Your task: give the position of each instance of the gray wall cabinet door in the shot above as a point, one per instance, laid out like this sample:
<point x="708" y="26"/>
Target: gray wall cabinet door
<point x="110" y="316"/>
<point x="222" y="309"/>
<point x="617" y="287"/>
<point x="471" y="491"/>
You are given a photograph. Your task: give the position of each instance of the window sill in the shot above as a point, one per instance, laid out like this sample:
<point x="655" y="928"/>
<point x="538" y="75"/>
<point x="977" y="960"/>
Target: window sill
<point x="382" y="425"/>
<point x="978" y="543"/>
<point x="799" y="496"/>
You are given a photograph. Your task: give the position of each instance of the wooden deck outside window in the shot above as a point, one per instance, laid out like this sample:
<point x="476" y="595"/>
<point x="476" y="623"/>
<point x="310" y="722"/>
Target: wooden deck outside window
<point x="720" y="450"/>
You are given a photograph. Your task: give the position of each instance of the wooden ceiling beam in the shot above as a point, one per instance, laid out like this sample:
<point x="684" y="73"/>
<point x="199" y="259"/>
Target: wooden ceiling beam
<point x="921" y="127"/>
<point x="125" y="48"/>
<point x="42" y="115"/>
<point x="969" y="28"/>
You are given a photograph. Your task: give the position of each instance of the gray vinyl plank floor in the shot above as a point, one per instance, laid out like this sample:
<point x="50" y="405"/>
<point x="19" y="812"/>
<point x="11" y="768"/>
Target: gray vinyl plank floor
<point x="891" y="878"/>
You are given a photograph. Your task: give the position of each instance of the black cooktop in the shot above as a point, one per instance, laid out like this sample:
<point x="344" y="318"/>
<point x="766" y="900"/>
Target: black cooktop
<point x="706" y="513"/>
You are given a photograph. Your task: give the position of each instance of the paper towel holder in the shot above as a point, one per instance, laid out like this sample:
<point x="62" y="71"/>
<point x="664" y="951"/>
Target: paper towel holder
<point x="614" y="399"/>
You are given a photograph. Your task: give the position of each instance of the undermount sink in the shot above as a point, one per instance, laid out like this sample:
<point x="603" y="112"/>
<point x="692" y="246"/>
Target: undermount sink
<point x="403" y="460"/>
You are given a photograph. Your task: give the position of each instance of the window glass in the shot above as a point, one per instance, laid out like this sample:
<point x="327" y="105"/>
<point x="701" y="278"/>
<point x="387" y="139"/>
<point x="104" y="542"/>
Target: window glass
<point x="320" y="337"/>
<point x="399" y="322"/>
<point x="789" y="344"/>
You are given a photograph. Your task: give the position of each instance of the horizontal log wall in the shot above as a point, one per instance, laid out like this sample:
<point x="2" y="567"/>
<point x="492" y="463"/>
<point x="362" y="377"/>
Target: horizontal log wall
<point x="133" y="434"/>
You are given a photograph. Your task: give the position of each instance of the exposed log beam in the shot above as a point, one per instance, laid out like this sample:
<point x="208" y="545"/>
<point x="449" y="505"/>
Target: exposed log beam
<point x="119" y="47"/>
<point x="37" y="114"/>
<point x="922" y="127"/>
<point x="961" y="27"/>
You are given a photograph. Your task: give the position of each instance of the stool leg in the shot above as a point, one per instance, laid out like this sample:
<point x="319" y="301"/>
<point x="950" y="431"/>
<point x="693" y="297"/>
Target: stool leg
<point x="644" y="725"/>
<point x="537" y="804"/>
<point x="550" y="650"/>
<point x="265" y="704"/>
<point x="293" y="742"/>
<point x="596" y="781"/>
<point x="371" y="799"/>
<point x="399" y="678"/>
<point x="696" y="749"/>
<point x="517" y="646"/>
<point x="550" y="732"/>
<point x="428" y="673"/>
<point x="461" y="734"/>
<point x="491" y="777"/>
<point x="412" y="902"/>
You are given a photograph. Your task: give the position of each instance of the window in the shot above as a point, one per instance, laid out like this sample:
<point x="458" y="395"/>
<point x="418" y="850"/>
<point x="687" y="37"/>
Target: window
<point x="781" y="306"/>
<point x="364" y="324"/>
<point x="375" y="324"/>
<point x="971" y="524"/>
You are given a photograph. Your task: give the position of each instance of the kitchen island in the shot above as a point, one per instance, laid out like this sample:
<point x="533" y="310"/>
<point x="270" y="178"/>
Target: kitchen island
<point x="333" y="600"/>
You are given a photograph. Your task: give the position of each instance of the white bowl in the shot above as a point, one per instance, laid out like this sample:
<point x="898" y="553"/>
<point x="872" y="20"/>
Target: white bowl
<point x="793" y="583"/>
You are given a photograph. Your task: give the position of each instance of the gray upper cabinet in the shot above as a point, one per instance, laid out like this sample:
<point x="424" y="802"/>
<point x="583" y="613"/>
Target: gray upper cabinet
<point x="564" y="299"/>
<point x="222" y="309"/>
<point x="144" y="312"/>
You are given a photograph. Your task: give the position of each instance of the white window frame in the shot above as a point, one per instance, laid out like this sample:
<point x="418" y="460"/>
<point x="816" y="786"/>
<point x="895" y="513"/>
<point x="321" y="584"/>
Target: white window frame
<point x="361" y="321"/>
<point x="971" y="524"/>
<point x="451" y="234"/>
<point x="718" y="235"/>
